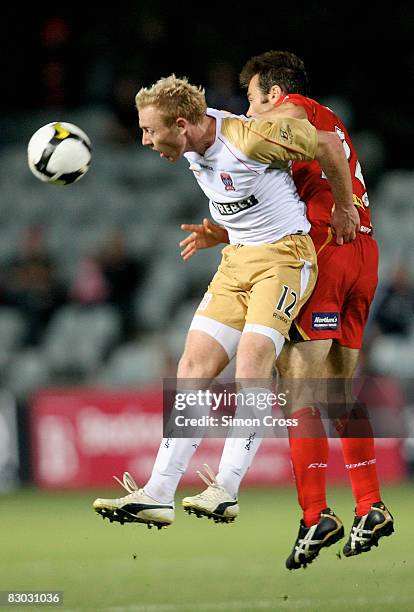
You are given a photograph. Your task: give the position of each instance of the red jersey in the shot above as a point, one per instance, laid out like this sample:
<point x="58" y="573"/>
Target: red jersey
<point x="310" y="181"/>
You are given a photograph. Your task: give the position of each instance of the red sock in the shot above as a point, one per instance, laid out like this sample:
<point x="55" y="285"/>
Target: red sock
<point x="359" y="457"/>
<point x="309" y="452"/>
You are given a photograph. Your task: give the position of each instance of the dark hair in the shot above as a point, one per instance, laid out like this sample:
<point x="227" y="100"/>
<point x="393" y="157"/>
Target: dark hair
<point x="276" y="68"/>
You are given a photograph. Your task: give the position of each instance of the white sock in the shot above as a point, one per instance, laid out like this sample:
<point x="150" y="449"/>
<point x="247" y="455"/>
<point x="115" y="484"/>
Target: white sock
<point x="174" y="455"/>
<point x="238" y="453"/>
<point x="172" y="460"/>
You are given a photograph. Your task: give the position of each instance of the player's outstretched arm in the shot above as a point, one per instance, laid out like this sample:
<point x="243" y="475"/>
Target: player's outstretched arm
<point x="331" y="156"/>
<point x="203" y="236"/>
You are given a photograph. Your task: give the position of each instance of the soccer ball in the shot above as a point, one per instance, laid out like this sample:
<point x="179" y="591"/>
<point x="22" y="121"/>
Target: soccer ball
<point x="59" y="153"/>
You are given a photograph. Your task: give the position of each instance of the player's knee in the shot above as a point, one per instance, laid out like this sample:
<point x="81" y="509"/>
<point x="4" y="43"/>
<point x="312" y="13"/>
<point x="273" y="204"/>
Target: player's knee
<point x="197" y="366"/>
<point x="255" y="357"/>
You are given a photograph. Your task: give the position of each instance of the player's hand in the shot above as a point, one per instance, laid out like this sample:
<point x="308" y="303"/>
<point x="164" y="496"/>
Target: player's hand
<point x="203" y="236"/>
<point x="345" y="224"/>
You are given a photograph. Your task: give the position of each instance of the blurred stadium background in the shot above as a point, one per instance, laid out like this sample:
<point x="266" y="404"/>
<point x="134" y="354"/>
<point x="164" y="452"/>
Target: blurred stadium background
<point x="95" y="300"/>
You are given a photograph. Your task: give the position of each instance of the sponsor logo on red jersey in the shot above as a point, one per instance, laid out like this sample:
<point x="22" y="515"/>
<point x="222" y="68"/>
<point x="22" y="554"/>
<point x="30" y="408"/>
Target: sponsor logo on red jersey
<point x="325" y="320"/>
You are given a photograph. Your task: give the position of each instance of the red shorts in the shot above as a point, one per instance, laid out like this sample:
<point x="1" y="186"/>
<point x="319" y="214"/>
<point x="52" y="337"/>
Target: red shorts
<point x="339" y="305"/>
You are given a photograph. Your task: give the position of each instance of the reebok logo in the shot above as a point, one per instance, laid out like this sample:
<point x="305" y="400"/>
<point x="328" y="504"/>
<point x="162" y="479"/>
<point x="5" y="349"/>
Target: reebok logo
<point x="351" y="466"/>
<point x="317" y="465"/>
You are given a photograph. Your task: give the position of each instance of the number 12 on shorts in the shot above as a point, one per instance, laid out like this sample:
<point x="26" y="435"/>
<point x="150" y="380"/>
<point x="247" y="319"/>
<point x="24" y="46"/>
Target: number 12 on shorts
<point x="286" y="304"/>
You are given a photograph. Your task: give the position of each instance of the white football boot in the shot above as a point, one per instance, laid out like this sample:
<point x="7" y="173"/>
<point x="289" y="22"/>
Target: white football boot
<point x="137" y="507"/>
<point x="215" y="502"/>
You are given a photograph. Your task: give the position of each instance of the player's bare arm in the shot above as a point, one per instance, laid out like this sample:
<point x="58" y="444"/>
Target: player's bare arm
<point x="330" y="154"/>
<point x="203" y="236"/>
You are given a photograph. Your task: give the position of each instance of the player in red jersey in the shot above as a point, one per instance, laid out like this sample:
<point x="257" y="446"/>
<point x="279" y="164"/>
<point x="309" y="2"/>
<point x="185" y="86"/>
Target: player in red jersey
<point x="333" y="320"/>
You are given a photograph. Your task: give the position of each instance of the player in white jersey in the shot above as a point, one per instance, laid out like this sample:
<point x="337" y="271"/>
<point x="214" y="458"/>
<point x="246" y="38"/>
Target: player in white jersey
<point x="243" y="167"/>
<point x="256" y="202"/>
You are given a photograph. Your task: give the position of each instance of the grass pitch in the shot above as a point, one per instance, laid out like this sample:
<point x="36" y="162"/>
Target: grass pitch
<point x="57" y="542"/>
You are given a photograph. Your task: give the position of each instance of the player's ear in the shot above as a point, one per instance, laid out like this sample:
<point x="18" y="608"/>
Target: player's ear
<point x="274" y="93"/>
<point x="181" y="124"/>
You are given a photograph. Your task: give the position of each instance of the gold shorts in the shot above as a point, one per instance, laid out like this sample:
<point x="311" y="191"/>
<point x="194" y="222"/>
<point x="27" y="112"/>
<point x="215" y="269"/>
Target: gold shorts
<point x="259" y="288"/>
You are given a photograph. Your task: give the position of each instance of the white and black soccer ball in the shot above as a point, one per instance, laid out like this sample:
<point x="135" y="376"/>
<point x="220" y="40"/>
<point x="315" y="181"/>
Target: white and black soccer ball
<point x="59" y="153"/>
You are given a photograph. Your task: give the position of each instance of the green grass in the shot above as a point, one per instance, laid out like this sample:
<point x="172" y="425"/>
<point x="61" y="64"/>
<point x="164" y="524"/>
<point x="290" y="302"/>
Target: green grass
<point x="55" y="541"/>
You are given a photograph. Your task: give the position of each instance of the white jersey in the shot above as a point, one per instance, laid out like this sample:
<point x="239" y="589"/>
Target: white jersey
<point x="246" y="175"/>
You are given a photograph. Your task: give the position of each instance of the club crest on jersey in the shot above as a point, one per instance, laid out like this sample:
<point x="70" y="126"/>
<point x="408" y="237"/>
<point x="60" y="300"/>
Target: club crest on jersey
<point x="286" y="134"/>
<point x="227" y="181"/>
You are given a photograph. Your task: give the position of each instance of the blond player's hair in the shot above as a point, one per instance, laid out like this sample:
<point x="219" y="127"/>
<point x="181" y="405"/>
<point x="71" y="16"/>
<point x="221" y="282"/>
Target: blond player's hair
<point x="175" y="98"/>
